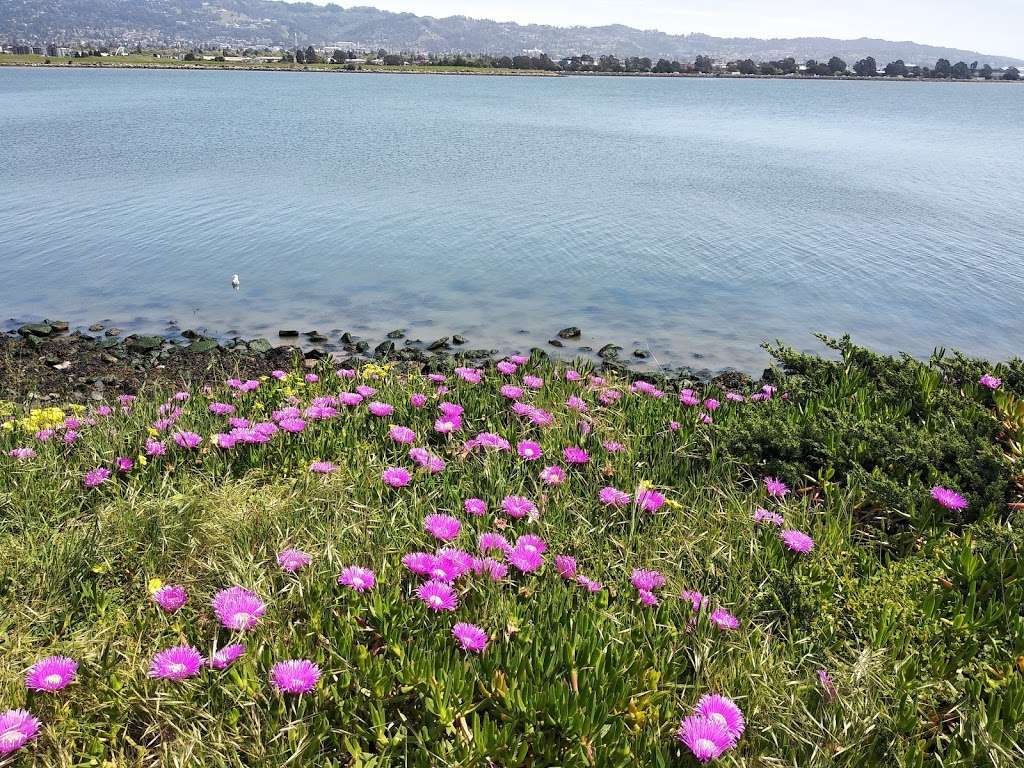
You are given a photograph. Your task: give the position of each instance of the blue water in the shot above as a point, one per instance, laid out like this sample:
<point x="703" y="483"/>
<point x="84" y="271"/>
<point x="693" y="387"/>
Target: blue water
<point x="691" y="217"/>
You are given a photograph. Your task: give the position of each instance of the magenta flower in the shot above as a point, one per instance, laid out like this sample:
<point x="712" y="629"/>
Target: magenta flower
<point x="320" y="412"/>
<point x="438" y="595"/>
<point x="553" y="475"/>
<point x="420" y="563"/>
<point x="295" y="677"/>
<point x="22" y="453"/>
<point x="170" y="598"/>
<point x="613" y="447"/>
<point x="825" y="680"/>
<point x="506" y="367"/>
<point x="53" y="673"/>
<point x="589" y="584"/>
<point x="650" y="500"/>
<point x="511" y="392"/>
<point x="613" y="497"/>
<point x="292" y="425"/>
<point x="221" y="409"/>
<point x="688" y="398"/>
<point x="576" y="404"/>
<point x="533" y="382"/>
<point x="990" y="381"/>
<point x="292" y="560"/>
<point x="525" y="559"/>
<point x="724" y="620"/>
<point x="471" y="375"/>
<point x="360" y="579"/>
<point x="949" y="499"/>
<point x="705" y="738"/>
<point x="350" y="399"/>
<point x="646" y="388"/>
<point x="187" y="440"/>
<point x="694" y="598"/>
<point x="572" y="375"/>
<point x="227" y="656"/>
<point x="402" y="435"/>
<point x="764" y="516"/>
<point x="475" y="507"/>
<point x="490" y="567"/>
<point x="540" y="417"/>
<point x="417" y="399"/>
<point x="436" y="378"/>
<point x="574" y="455"/>
<point x="155" y="448"/>
<point x="278" y="375"/>
<point x="311" y="378"/>
<point x="396" y="477"/>
<point x="96" y="477"/>
<point x="529" y="450"/>
<point x="443" y="527"/>
<point x="647" y="581"/>
<point x="17" y="728"/>
<point x="322" y="467"/>
<point x="711" y="404"/>
<point x="566" y="566"/>
<point x="518" y="506"/>
<point x="519" y="359"/>
<point x="723" y="711"/>
<point x="530" y="541"/>
<point x="345" y="373"/>
<point x="490" y="540"/>
<point x="775" y="487"/>
<point x="176" y="663"/>
<point x="797" y="541"/>
<point x="238" y="608"/>
<point x="647" y="598"/>
<point x="470" y="637"/>
<point x="380" y="409"/>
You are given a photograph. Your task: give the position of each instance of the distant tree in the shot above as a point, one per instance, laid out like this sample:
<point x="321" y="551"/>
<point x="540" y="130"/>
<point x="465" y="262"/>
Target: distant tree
<point x="311" y="57"/>
<point x="219" y="58"/>
<point x="190" y="56"/>
<point x="836" y="66"/>
<point x="504" y="62"/>
<point x="866" y="67"/>
<point x="704" y="64"/>
<point x="394" y="60"/>
<point x="896" y="68"/>
<point x="609" y="64"/>
<point x="287" y="57"/>
<point x="1011" y="74"/>
<point x="986" y="72"/>
<point x="974" y="66"/>
<point x="747" y="67"/>
<point x="812" y="67"/>
<point x="381" y="53"/>
<point x="769" y="68"/>
<point x="942" y="69"/>
<point x="961" y="71"/>
<point x="338" y="57"/>
<point x="300" y="56"/>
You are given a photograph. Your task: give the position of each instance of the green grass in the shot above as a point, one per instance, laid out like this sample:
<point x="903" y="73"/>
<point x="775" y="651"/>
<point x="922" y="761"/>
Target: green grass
<point x="915" y="612"/>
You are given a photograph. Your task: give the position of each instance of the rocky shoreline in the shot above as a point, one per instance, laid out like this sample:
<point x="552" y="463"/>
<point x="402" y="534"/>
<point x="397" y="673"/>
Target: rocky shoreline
<point x="49" y="361"/>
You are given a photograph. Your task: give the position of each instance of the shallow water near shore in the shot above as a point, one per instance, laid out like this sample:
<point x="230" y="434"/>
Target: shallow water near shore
<point x="689" y="218"/>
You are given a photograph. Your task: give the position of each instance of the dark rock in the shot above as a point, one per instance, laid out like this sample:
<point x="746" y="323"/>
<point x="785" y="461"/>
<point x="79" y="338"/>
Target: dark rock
<point x="396" y="334"/>
<point x="191" y="335"/>
<point x="585" y="349"/>
<point x="202" y="345"/>
<point x="539" y="353"/>
<point x="315" y="354"/>
<point x="437" y="344"/>
<point x="346" y="338"/>
<point x="458" y="338"/>
<point x="34" y="342"/>
<point x="260" y="346"/>
<point x="555" y="343"/>
<point x="144" y="343"/>
<point x="609" y="351"/>
<point x="317" y="338"/>
<point x="35" y="329"/>
<point x="362" y="347"/>
<point x="107" y="343"/>
<point x="114" y="332"/>
<point x="641" y="353"/>
<point x="384" y="349"/>
<point x="96" y="327"/>
<point x="59" y="326"/>
<point x="731" y="379"/>
<point x="106" y="357"/>
<point x="572" y="332"/>
<point x="288" y="333"/>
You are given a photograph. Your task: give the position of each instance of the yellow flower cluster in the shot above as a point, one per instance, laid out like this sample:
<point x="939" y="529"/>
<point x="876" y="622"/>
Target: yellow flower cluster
<point x="37" y="419"/>
<point x="375" y="371"/>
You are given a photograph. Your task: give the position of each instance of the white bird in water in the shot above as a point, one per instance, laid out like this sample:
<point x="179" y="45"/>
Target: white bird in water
<point x="235" y="282"/>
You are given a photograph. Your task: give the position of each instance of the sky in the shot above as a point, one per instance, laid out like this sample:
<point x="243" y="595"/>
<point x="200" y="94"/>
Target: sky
<point x="990" y="26"/>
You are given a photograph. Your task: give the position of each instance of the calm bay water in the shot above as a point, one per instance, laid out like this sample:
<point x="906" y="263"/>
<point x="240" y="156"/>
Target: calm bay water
<point x="690" y="217"/>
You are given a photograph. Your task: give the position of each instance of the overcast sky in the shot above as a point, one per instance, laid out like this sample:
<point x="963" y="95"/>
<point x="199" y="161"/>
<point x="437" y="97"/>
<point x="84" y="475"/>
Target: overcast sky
<point x="989" y="26"/>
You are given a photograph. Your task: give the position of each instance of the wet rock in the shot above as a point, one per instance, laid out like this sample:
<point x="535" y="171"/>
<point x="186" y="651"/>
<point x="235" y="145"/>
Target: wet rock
<point x="555" y="343"/>
<point x="114" y="332"/>
<point x="191" y="334"/>
<point x="609" y="351"/>
<point x="732" y="379"/>
<point x="202" y="345"/>
<point x="437" y="344"/>
<point x="315" y="354"/>
<point x="346" y="338"/>
<point x="572" y="332"/>
<point x="35" y="329"/>
<point x="539" y="353"/>
<point x="106" y="357"/>
<point x="317" y="338"/>
<point x="585" y="349"/>
<point x="107" y="343"/>
<point x="362" y="347"/>
<point x="396" y="334"/>
<point x="260" y="346"/>
<point x="34" y="342"/>
<point x="96" y="327"/>
<point x="288" y="333"/>
<point x="59" y="326"/>
<point x="458" y="338"/>
<point x="144" y="343"/>
<point x="384" y="349"/>
<point x="641" y="353"/>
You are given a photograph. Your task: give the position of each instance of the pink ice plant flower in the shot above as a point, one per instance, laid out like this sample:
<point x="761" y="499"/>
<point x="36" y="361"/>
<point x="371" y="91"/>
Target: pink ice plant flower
<point x="155" y="448"/>
<point x="723" y="711"/>
<point x="417" y="399"/>
<point x="295" y="676"/>
<point x="238" y="608"/>
<point x="443" y="527"/>
<point x="797" y="541"/>
<point x="694" y="598"/>
<point x="227" y="656"/>
<point x="187" y="440"/>
<point x="613" y="447"/>
<point x="438" y="595"/>
<point x="705" y="738"/>
<point x="96" y="477"/>
<point x="589" y="584"/>
<point x="990" y="381"/>
<point x="292" y="560"/>
<point x="470" y="637"/>
<point x="533" y="382"/>
<point x="475" y="507"/>
<point x="613" y="497"/>
<point x="396" y="477"/>
<point x="292" y="426"/>
<point x="358" y="578"/>
<point x="221" y="409"/>
<point x="518" y="506"/>
<point x="17" y="728"/>
<point x="525" y="559"/>
<point x="647" y="581"/>
<point x="380" y="409"/>
<point x="775" y="487"/>
<point x="124" y="464"/>
<point x="170" y="597"/>
<point x="490" y="567"/>
<point x="402" y="435"/>
<point x="322" y="467"/>
<point x="553" y="475"/>
<point x="530" y="541"/>
<point x="489" y="540"/>
<point x="762" y="515"/>
<point x="721" y="618"/>
<point x="511" y="392"/>
<point x="650" y="500"/>
<point x="949" y="499"/>
<point x="506" y="367"/>
<point x="54" y="673"/>
<point x="177" y="663"/>
<point x="575" y="455"/>
<point x="529" y="450"/>
<point x="566" y="566"/>
<point x="22" y="453"/>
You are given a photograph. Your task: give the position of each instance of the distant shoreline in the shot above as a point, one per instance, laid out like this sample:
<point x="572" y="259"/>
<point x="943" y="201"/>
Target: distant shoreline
<point x="477" y="71"/>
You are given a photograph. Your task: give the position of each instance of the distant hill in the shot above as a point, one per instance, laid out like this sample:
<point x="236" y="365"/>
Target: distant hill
<point x="265" y="22"/>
